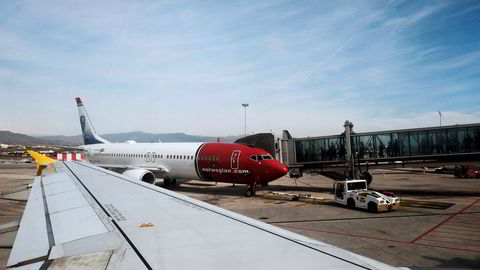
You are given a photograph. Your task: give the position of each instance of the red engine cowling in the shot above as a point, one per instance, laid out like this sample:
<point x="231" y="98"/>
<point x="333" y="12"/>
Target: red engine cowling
<point x="140" y="175"/>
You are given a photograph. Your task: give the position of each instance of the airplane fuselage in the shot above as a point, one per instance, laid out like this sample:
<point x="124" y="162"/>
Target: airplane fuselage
<point x="218" y="162"/>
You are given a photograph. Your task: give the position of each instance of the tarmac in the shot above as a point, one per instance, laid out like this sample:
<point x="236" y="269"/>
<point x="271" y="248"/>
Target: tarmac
<point x="437" y="225"/>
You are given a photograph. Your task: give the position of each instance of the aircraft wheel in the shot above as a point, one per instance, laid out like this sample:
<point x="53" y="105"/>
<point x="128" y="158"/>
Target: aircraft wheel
<point x="250" y="191"/>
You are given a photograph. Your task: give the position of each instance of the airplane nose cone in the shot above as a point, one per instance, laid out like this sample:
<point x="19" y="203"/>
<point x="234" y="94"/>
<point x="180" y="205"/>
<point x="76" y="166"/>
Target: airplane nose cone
<point x="279" y="170"/>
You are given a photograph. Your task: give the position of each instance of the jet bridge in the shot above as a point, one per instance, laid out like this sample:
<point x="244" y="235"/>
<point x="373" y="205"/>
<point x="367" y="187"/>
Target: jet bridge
<point x="351" y="154"/>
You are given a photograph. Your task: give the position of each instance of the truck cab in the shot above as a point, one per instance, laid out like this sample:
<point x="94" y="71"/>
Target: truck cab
<point x="355" y="194"/>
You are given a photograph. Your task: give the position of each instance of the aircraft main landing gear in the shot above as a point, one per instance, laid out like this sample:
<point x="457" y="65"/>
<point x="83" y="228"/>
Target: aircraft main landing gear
<point x="169" y="182"/>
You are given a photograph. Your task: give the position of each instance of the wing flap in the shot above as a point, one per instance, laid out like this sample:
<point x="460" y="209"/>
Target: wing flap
<point x="76" y="223"/>
<point x="33" y="229"/>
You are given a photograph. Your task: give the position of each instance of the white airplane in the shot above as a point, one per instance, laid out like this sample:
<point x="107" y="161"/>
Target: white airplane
<point x="238" y="163"/>
<point x="80" y="216"/>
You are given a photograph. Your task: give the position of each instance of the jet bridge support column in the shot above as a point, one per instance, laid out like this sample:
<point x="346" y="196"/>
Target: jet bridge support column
<point x="348" y="145"/>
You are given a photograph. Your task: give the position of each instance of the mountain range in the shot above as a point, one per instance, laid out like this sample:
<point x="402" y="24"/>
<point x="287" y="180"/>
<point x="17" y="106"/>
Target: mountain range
<point x="8" y="137"/>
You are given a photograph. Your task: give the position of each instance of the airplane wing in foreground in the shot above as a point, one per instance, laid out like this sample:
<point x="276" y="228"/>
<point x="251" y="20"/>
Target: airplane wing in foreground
<point x="80" y="216"/>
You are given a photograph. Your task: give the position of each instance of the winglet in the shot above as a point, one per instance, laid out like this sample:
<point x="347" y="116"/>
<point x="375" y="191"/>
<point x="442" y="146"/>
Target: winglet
<point x="41" y="160"/>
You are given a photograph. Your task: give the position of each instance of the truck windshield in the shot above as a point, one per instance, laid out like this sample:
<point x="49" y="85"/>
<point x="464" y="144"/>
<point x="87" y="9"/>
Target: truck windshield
<point x="357" y="185"/>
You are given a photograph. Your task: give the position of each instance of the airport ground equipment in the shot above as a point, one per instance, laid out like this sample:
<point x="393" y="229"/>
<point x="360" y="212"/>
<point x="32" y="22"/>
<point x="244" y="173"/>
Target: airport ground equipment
<point x="291" y="196"/>
<point x="350" y="155"/>
<point x="354" y="194"/>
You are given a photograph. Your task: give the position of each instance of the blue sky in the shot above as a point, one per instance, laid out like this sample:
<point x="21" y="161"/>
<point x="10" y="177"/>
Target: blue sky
<point x="187" y="66"/>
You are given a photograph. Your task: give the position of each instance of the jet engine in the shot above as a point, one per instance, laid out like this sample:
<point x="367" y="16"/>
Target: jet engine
<point x="141" y="175"/>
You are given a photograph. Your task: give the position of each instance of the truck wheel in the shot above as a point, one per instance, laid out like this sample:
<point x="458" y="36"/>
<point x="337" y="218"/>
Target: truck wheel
<point x="350" y="203"/>
<point x="372" y="207"/>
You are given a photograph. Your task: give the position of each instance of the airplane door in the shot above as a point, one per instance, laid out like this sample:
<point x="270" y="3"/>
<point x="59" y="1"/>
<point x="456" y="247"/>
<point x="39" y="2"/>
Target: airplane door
<point x="235" y="159"/>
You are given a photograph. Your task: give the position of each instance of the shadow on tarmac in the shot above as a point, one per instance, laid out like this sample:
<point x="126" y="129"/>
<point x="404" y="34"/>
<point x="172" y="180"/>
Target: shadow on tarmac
<point x="457" y="263"/>
<point x="239" y="190"/>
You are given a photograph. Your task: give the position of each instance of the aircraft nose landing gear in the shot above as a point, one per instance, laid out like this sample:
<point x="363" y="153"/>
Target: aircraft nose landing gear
<point x="251" y="190"/>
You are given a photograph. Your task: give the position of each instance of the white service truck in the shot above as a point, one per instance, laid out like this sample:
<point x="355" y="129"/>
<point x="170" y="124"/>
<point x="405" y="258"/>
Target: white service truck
<point x="354" y="193"/>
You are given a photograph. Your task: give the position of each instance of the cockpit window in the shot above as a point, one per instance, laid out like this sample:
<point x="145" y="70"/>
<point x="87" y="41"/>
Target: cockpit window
<point x="253" y="157"/>
<point x="259" y="157"/>
<point x="267" y="157"/>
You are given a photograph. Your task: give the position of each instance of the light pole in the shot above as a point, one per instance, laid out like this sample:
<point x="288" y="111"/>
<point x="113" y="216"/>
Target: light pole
<point x="440" y="115"/>
<point x="245" y="105"/>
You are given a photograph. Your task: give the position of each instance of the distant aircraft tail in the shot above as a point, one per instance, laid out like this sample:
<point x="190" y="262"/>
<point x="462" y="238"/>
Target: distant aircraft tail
<point x="88" y="132"/>
<point x="42" y="161"/>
